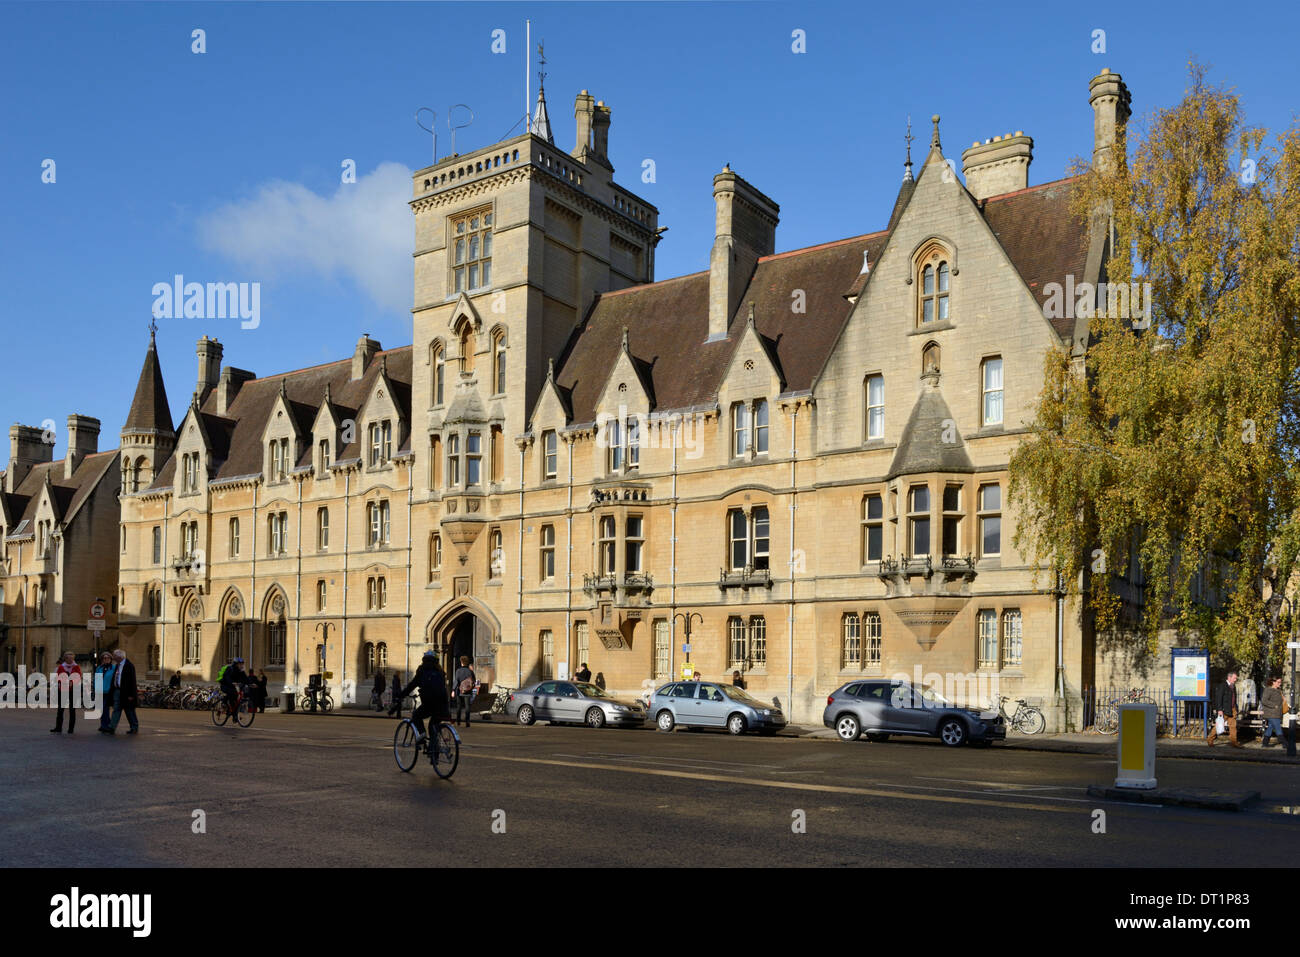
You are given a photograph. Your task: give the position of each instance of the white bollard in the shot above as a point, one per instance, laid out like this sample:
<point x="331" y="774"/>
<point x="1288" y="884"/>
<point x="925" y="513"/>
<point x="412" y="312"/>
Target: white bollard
<point x="1137" y="746"/>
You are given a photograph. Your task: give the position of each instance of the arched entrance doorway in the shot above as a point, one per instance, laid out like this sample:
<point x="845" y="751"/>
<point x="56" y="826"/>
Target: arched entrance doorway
<point x="468" y="628"/>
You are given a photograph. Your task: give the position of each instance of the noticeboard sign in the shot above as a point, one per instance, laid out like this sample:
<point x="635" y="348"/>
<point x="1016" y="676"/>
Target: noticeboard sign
<point x="1191" y="674"/>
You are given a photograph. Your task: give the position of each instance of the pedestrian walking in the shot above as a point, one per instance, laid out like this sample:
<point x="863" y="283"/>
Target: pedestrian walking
<point x="377" y="692"/>
<point x="1225" y="708"/>
<point x="395" y="709"/>
<point x="66" y="676"/>
<point x="125" y="694"/>
<point x="257" y="690"/>
<point x="104" y="688"/>
<point x="1271" y="708"/>
<point x="465" y="684"/>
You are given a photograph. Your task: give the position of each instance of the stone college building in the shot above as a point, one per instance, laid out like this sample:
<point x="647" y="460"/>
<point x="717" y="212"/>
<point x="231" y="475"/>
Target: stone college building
<point x="794" y="462"/>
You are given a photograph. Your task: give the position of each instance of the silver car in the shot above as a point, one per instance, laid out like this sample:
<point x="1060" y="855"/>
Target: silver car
<point x="703" y="704"/>
<point x="573" y="702"/>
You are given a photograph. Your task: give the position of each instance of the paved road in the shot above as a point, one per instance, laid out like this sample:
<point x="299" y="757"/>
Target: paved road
<point x="307" y="790"/>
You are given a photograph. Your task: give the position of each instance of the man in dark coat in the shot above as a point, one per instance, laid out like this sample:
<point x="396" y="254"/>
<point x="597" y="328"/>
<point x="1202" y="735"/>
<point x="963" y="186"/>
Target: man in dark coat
<point x="377" y="695"/>
<point x="1224" y="705"/>
<point x="125" y="693"/>
<point x="432" y="682"/>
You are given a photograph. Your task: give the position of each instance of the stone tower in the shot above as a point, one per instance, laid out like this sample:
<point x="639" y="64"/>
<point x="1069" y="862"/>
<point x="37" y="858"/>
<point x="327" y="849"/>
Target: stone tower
<point x="147" y="437"/>
<point x="513" y="242"/>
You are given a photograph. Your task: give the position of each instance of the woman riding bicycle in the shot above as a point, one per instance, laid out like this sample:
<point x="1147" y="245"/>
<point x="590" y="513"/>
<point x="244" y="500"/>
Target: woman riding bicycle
<point x="432" y="683"/>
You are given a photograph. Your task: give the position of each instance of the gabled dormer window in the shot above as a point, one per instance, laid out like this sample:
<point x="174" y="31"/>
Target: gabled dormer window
<point x="190" y="472"/>
<point x="749" y="428"/>
<point x="323" y="455"/>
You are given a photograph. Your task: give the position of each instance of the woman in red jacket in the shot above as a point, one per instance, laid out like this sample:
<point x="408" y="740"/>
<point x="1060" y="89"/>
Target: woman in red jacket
<point x="65" y="676"/>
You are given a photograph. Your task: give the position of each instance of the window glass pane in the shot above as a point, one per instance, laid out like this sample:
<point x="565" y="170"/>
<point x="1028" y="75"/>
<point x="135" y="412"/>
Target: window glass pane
<point x="875" y="506"/>
<point x="993" y="374"/>
<point x="927" y="281"/>
<point x="876" y="424"/>
<point x="992" y="534"/>
<point x="487" y="244"/>
<point x="473" y="276"/>
<point x="990" y="497"/>
<point x="875" y="539"/>
<point x="921" y="536"/>
<point x="460" y="279"/>
<point x="927" y="314"/>
<point x="943" y="277"/>
<point x="487" y="273"/>
<point x="876" y="390"/>
<point x="460" y="251"/>
<point x="952" y="498"/>
<point x="921" y="498"/>
<point x="992" y="407"/>
<point x="473" y="247"/>
<point x="943" y="307"/>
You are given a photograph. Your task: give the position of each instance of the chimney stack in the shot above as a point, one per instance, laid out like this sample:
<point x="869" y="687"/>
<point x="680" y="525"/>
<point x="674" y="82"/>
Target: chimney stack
<point x="228" y="386"/>
<point x="83" y="440"/>
<point x="600" y="133"/>
<point x="366" y="349"/>
<point x="209" y="352"/>
<point x="583" y="112"/>
<point x="27" y="449"/>
<point x="745" y="229"/>
<point x="999" y="165"/>
<point x="1110" y="101"/>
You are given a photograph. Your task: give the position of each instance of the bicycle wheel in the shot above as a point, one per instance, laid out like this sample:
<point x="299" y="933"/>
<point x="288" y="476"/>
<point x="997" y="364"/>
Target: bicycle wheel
<point x="305" y="703"/>
<point x="406" y="745"/>
<point x="245" y="715"/>
<point x="1030" y="721"/>
<point x="444" y="751"/>
<point x="326" y="703"/>
<point x="220" y="714"/>
<point x="1108" y="719"/>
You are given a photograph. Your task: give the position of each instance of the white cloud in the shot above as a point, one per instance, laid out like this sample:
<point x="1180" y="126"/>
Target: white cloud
<point x="362" y="233"/>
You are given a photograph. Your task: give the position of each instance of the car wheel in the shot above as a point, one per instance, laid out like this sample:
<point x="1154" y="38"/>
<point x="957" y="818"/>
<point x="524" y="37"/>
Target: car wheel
<point x="736" y="724"/>
<point x="952" y="732"/>
<point x="878" y="738"/>
<point x="525" y="715"/>
<point x="847" y="727"/>
<point x="665" y="720"/>
<point x="596" y="718"/>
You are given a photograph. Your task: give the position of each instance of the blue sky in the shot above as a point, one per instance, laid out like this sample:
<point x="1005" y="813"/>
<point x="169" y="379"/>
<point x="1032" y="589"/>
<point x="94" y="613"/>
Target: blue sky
<point x="225" y="166"/>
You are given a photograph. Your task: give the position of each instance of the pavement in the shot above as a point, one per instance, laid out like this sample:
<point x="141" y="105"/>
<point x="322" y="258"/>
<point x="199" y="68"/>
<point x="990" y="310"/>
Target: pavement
<point x="1076" y="743"/>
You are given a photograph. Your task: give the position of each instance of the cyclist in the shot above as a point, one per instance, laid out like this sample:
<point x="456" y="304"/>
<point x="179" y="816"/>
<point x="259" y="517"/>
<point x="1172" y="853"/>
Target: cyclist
<point x="232" y="678"/>
<point x="431" y="681"/>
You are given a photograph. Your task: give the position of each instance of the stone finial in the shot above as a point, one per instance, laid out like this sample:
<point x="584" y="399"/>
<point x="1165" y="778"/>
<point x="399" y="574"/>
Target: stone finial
<point x="934" y="139"/>
<point x="283" y="388"/>
<point x="625" y="338"/>
<point x="327" y="392"/>
<point x="550" y="369"/>
<point x="751" y="312"/>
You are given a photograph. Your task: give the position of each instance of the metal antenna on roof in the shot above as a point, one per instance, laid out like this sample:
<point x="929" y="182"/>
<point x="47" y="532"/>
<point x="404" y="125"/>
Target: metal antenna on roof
<point x="460" y="127"/>
<point x="431" y="129"/>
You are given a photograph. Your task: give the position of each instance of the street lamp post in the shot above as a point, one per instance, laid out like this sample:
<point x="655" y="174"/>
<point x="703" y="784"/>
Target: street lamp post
<point x="686" y="629"/>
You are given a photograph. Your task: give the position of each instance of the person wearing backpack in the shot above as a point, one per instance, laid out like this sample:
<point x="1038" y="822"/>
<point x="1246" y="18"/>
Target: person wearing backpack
<point x="465" y="682"/>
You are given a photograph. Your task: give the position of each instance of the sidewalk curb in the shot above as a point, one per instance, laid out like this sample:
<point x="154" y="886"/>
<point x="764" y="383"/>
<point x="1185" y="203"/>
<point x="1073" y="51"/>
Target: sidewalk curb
<point x="1206" y="799"/>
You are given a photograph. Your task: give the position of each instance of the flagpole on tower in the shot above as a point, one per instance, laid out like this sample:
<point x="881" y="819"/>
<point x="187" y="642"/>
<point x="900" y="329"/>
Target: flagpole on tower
<point x="528" y="69"/>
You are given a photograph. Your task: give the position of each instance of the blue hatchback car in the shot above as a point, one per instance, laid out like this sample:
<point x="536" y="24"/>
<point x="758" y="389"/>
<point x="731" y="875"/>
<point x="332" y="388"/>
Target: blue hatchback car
<point x="705" y="704"/>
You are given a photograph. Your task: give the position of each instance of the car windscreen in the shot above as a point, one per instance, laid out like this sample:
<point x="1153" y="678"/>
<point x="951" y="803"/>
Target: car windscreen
<point x="592" y="691"/>
<point x="932" y="699"/>
<point x="736" y="694"/>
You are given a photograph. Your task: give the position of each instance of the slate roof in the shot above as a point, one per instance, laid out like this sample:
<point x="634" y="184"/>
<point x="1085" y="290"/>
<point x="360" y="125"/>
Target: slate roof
<point x="667" y="321"/>
<point x="67" y="495"/>
<point x="149" y="410"/>
<point x="236" y="437"/>
<point x="922" y="447"/>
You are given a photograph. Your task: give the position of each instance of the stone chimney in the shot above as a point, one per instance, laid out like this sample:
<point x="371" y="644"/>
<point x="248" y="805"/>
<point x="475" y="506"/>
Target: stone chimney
<point x="583" y="112"/>
<point x="27" y="448"/>
<point x="999" y="165"/>
<point x="600" y="132"/>
<point x="228" y="386"/>
<point x="745" y="229"/>
<point x="1110" y="101"/>
<point x="209" y="352"/>
<point x="83" y="440"/>
<point x="366" y="349"/>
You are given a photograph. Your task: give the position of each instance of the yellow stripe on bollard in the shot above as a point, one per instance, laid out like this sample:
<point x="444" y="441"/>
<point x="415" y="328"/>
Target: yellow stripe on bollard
<point x="1137" y="746"/>
<point x="1132" y="743"/>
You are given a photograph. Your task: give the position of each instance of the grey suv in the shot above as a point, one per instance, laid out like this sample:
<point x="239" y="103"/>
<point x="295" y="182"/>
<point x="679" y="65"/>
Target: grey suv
<point x="881" y="707"/>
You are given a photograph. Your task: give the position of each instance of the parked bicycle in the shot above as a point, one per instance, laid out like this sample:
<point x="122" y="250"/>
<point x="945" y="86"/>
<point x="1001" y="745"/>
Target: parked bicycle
<point x="316" y="699"/>
<point x="1026" y="720"/>
<point x="243" y="713"/>
<point x="501" y="700"/>
<point x="441" y="744"/>
<point x="1107" y="719"/>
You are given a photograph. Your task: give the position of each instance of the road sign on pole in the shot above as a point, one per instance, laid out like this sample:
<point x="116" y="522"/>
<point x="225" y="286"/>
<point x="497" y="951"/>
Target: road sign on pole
<point x="97" y="609"/>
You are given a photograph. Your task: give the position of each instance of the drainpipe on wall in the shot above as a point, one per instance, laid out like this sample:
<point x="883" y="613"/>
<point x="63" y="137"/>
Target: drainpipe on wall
<point x="1060" y="639"/>
<point x="410" y="540"/>
<point x="297" y="617"/>
<point x="520" y="602"/>
<point x="568" y="532"/>
<point x="252" y="575"/>
<point x="162" y="638"/>
<point x="347" y="529"/>
<point x="794" y="428"/>
<point x="672" y="571"/>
